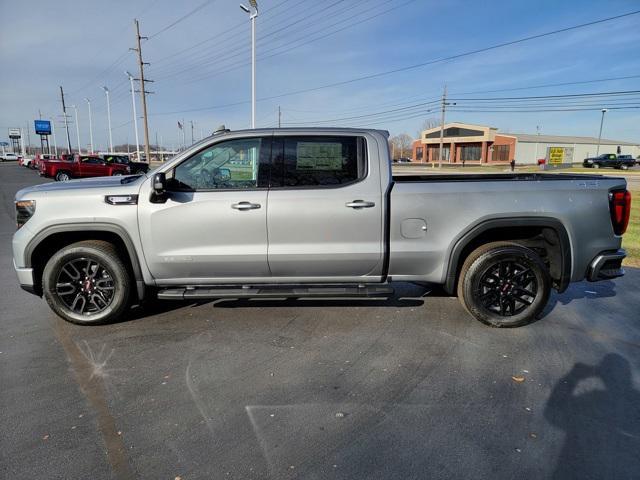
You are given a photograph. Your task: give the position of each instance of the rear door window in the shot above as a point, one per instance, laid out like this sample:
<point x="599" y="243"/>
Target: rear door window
<point x="318" y="161"/>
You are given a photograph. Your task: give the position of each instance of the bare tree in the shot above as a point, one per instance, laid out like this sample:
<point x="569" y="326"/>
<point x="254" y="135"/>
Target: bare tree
<point x="427" y="124"/>
<point x="401" y="145"/>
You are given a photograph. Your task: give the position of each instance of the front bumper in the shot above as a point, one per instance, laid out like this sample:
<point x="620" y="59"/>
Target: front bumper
<point x="606" y="265"/>
<point x="25" y="277"/>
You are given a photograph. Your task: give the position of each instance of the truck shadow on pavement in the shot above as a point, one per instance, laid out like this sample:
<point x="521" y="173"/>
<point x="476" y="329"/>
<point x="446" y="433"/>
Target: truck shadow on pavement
<point x="602" y="425"/>
<point x="580" y="291"/>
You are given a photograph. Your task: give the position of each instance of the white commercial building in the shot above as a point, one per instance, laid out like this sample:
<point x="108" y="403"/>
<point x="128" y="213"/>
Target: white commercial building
<point x="530" y="148"/>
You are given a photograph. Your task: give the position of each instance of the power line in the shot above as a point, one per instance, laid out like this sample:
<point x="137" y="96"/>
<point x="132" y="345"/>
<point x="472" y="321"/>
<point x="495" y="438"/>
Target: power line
<point x="207" y="60"/>
<point x="453" y="57"/>
<point x="182" y="18"/>
<point x="562" y="84"/>
<point x="288" y="47"/>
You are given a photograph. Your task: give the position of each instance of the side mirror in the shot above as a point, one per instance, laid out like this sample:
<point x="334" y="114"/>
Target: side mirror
<point x="159" y="183"/>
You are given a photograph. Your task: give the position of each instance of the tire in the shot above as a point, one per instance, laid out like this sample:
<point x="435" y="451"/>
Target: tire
<point x="596" y="165"/>
<point x="624" y="167"/>
<point x="504" y="284"/>
<point x="87" y="283"/>
<point x="62" y="176"/>
<point x="116" y="174"/>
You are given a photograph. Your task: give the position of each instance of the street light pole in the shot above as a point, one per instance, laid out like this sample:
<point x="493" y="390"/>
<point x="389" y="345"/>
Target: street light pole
<point x="75" y="109"/>
<point x="53" y="132"/>
<point x="135" y="115"/>
<point x="106" y="92"/>
<point x="90" y="125"/>
<point x="253" y="13"/>
<point x="604" y="110"/>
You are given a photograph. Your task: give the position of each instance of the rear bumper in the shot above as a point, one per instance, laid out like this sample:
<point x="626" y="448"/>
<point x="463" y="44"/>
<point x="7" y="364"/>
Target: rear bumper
<point x="606" y="265"/>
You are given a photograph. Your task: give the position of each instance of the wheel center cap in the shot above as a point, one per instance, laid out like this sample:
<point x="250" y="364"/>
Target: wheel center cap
<point x="86" y="286"/>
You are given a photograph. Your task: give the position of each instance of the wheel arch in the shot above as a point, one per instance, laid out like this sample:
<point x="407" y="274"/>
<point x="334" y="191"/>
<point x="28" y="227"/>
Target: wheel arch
<point x="523" y="229"/>
<point x="52" y="239"/>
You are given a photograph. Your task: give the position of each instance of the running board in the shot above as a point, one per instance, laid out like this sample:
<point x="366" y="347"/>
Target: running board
<point x="201" y="293"/>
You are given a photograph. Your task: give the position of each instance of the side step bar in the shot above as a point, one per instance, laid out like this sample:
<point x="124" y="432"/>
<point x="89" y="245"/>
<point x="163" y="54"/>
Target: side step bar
<point x="197" y="293"/>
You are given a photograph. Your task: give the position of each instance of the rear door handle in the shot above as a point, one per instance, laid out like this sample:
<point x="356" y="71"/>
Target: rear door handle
<point x="245" y="206"/>
<point x="360" y="204"/>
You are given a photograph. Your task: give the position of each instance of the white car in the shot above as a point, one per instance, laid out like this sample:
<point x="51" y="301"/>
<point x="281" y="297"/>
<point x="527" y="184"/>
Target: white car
<point x="6" y="157"/>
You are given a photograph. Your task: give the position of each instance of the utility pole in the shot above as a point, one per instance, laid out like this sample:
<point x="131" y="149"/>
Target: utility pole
<point x="191" y="132"/>
<point x="90" y="125"/>
<point x="143" y="90"/>
<point x="279" y="117"/>
<point x="445" y="104"/>
<point x="66" y="122"/>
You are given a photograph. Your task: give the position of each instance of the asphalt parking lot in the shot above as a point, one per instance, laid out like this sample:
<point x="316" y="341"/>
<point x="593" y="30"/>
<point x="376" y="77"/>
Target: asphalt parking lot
<point x="407" y="388"/>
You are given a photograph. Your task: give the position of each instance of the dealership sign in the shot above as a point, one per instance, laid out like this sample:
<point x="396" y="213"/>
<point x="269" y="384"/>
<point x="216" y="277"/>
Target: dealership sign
<point x="14" y="133"/>
<point x="43" y="127"/>
<point x="560" y="155"/>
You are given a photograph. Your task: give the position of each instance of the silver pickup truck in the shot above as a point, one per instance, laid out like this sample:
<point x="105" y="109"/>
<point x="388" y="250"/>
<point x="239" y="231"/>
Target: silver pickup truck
<point x="314" y="212"/>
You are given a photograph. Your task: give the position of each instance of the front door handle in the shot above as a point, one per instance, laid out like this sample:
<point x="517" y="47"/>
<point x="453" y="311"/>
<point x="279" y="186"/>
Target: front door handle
<point x="245" y="206"/>
<point x="360" y="204"/>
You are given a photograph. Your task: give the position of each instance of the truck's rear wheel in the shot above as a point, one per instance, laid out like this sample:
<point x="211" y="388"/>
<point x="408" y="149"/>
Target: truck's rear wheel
<point x="87" y="283"/>
<point x="62" y="177"/>
<point x="504" y="284"/>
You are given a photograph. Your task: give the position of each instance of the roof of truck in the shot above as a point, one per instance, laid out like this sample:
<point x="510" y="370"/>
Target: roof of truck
<point x="298" y="129"/>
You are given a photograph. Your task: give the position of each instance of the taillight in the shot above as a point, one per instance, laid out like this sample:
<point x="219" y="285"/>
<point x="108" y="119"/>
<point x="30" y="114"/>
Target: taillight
<point x="620" y="208"/>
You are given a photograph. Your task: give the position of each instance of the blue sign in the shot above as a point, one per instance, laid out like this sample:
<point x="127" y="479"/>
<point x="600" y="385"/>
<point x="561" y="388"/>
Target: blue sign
<point x="43" y="127"/>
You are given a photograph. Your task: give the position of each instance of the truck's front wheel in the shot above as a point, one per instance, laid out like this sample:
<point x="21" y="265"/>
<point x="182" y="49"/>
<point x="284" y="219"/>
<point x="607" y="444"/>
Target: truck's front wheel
<point x="504" y="284"/>
<point x="87" y="283"/>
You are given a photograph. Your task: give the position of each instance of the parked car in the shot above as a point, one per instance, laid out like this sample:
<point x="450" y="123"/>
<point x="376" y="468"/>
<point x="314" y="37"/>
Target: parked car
<point x="314" y="212"/>
<point x="609" y="160"/>
<point x="80" y="166"/>
<point x="35" y="163"/>
<point x="134" y="167"/>
<point x="402" y="160"/>
<point x="9" y="157"/>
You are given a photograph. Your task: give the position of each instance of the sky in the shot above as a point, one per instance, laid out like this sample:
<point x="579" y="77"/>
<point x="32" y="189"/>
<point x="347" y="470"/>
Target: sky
<point x="313" y="60"/>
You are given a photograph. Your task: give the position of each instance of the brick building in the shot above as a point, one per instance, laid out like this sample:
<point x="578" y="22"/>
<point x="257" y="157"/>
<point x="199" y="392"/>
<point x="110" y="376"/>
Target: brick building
<point x="465" y="143"/>
<point x="478" y="144"/>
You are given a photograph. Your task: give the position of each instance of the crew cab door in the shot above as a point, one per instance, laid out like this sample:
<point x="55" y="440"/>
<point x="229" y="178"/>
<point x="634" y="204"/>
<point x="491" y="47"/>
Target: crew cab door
<point x="210" y="226"/>
<point x="326" y="209"/>
<point x="90" y="167"/>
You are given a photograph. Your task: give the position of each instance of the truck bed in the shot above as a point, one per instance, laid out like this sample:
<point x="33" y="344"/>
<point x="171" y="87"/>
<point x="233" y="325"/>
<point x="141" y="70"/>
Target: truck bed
<point x="486" y="177"/>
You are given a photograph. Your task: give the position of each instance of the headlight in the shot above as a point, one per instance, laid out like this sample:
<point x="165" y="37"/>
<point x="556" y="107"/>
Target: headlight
<point x="24" y="211"/>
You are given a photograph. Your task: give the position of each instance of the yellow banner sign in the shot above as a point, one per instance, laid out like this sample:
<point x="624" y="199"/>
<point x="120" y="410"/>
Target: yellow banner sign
<point x="556" y="155"/>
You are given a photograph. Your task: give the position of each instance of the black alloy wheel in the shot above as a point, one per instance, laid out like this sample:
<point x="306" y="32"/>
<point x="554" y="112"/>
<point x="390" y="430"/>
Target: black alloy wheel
<point x="507" y="288"/>
<point x="85" y="286"/>
<point x="87" y="283"/>
<point x="504" y="284"/>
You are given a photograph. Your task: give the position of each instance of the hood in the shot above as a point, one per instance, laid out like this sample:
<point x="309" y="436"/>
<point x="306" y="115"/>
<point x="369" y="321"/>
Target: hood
<point x="126" y="184"/>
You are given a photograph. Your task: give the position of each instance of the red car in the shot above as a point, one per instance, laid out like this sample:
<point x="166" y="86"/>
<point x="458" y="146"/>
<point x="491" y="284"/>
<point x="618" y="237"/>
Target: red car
<point x="80" y="166"/>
